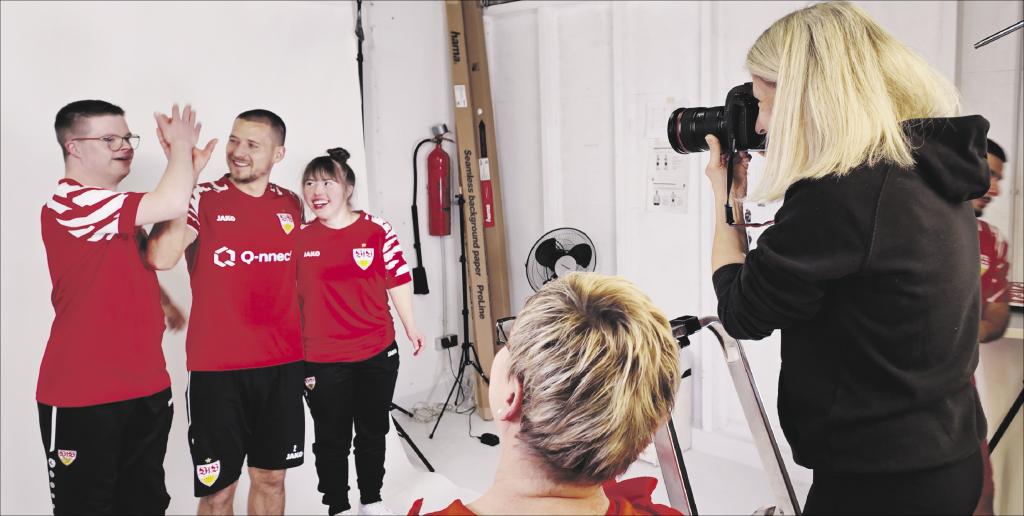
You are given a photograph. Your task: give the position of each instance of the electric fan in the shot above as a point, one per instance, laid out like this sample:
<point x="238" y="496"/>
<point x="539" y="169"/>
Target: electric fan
<point x="557" y="253"/>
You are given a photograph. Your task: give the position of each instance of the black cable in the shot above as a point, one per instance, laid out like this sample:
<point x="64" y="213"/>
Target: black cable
<point x="469" y="419"/>
<point x="415" y="167"/>
<point x="360" y="36"/>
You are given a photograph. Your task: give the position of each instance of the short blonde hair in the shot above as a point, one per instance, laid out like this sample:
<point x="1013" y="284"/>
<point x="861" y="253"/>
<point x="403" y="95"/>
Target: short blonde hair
<point x="599" y="370"/>
<point x="844" y="87"/>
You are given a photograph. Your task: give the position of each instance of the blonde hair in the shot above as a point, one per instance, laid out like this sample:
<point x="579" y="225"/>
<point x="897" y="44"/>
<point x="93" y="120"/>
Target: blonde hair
<point x="844" y="87"/>
<point x="599" y="369"/>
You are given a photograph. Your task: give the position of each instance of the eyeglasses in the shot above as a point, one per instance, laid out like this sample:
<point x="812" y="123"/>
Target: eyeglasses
<point x="504" y="329"/>
<point x="115" y="142"/>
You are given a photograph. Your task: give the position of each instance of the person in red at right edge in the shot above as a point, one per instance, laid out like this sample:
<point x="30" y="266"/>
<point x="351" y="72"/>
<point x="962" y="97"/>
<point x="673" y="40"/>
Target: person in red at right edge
<point x="995" y="293"/>
<point x="586" y="374"/>
<point x="350" y="262"/>
<point x="244" y="346"/>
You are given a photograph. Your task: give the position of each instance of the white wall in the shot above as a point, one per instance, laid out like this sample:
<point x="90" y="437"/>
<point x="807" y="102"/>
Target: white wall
<point x="295" y="59"/>
<point x="407" y="91"/>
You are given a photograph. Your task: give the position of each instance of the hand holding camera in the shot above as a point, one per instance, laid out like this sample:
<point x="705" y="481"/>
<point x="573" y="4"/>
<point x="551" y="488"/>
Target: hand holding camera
<point x="717" y="172"/>
<point x="728" y="132"/>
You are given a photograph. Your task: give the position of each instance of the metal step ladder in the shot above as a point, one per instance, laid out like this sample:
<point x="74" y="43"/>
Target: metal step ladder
<point x="670" y="455"/>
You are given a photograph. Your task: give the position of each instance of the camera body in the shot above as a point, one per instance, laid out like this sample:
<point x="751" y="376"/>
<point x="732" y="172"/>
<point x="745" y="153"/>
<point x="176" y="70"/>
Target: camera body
<point x="733" y="124"/>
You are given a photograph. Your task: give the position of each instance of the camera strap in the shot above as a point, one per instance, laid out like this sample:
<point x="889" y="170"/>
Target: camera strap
<point x="729" y="219"/>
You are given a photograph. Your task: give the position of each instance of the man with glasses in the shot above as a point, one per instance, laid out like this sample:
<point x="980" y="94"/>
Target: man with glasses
<point x="104" y="395"/>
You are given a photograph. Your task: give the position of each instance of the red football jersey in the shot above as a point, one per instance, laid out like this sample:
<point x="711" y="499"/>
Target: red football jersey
<point x="105" y="340"/>
<point x="344" y="276"/>
<point x="244" y="309"/>
<point x="994" y="265"/>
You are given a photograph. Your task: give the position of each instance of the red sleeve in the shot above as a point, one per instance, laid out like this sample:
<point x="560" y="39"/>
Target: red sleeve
<point x="994" y="265"/>
<point x="94" y="214"/>
<point x="1001" y="273"/>
<point x="129" y="212"/>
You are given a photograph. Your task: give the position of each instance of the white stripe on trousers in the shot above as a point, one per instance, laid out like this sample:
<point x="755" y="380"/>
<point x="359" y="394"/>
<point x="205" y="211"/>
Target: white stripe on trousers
<point x="53" y="428"/>
<point x="188" y="399"/>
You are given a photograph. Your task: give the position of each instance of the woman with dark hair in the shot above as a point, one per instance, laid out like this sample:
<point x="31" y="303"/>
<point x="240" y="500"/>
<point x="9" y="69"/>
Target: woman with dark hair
<point x="349" y="264"/>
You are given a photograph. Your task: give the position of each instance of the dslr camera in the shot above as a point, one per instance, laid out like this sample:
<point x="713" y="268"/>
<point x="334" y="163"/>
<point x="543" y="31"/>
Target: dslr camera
<point x="732" y="124"/>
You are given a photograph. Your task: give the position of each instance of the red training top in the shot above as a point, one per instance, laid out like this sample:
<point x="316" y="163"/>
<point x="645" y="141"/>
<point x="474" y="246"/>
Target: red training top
<point x="994" y="266"/>
<point x="244" y="310"/>
<point x="344" y="275"/>
<point x="629" y="497"/>
<point x="105" y="340"/>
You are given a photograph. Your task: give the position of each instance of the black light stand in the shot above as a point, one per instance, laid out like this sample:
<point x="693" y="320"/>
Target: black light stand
<point x="468" y="351"/>
<point x="404" y="435"/>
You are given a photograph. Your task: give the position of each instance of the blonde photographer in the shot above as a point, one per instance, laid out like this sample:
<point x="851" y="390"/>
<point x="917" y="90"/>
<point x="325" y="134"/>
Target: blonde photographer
<point x="871" y="267"/>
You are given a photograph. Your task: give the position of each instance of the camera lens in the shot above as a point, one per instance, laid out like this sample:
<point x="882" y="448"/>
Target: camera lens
<point x="688" y="126"/>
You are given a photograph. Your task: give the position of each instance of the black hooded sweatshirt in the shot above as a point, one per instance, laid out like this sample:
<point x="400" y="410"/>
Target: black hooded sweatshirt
<point x="873" y="279"/>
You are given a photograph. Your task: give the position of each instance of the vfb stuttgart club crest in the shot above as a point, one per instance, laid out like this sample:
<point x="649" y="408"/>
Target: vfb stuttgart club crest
<point x="208" y="473"/>
<point x="363" y="257"/>
<point x="287" y="223"/>
<point x="67" y="456"/>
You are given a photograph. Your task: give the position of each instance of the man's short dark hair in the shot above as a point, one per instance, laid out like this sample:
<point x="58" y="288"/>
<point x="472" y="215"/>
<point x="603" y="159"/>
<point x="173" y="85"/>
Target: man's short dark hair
<point x="267" y="117"/>
<point x="71" y="114"/>
<point x="997" y="151"/>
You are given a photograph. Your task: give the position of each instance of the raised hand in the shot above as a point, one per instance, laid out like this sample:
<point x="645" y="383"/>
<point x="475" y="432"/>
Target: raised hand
<point x="180" y="128"/>
<point x="200" y="157"/>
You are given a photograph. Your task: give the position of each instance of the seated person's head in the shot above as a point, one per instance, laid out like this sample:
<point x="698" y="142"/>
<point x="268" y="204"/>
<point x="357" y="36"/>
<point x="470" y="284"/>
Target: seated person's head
<point x="588" y="375"/>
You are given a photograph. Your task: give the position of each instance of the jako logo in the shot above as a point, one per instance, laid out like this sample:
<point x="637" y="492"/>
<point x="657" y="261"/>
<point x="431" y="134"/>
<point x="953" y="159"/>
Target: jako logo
<point x="225" y="257"/>
<point x="295" y="454"/>
<point x="225" y="218"/>
<point x="308" y="254"/>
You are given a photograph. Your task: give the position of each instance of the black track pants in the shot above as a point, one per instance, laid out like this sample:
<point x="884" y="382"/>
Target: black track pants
<point x="341" y="395"/>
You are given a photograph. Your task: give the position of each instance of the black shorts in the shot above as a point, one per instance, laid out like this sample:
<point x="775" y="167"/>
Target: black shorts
<point x="109" y="458"/>
<point x="255" y="413"/>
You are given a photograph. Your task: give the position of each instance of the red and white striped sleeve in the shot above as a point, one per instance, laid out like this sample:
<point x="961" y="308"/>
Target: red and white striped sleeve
<point x="192" y="218"/>
<point x="396" y="270"/>
<point x="94" y="214"/>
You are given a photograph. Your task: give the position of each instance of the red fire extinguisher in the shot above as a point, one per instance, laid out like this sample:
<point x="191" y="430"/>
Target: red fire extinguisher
<point x="439" y="190"/>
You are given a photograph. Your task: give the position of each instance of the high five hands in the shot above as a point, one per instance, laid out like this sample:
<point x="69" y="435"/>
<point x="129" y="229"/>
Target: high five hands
<point x="183" y="129"/>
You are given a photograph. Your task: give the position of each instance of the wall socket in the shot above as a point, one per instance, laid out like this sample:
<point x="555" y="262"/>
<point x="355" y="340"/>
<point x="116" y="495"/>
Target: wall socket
<point x="446" y="341"/>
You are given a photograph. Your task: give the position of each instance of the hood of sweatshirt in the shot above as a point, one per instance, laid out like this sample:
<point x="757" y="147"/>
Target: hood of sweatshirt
<point x="951" y="155"/>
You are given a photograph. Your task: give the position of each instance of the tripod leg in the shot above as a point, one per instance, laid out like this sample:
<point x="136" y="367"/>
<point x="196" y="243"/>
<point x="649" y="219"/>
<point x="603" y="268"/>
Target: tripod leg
<point x="996" y="437"/>
<point x="458" y="380"/>
<point x="404" y="435"/>
<point x="476" y="364"/>
<point x="395" y="406"/>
